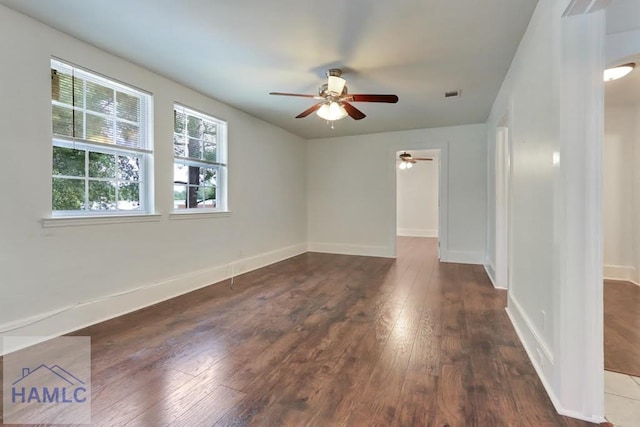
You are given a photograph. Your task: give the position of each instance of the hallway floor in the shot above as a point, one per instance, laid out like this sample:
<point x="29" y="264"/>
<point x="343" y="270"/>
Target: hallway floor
<point x="622" y="327"/>
<point x="622" y="399"/>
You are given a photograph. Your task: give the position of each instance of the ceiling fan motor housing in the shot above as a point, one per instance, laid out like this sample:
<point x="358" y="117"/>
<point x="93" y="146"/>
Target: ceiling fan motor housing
<point x="324" y="91"/>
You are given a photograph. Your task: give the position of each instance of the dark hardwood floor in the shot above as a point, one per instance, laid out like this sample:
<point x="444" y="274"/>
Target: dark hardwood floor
<point x="323" y="340"/>
<point x="622" y="327"/>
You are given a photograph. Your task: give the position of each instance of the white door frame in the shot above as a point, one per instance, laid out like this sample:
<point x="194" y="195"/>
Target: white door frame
<point x="443" y="192"/>
<point x="503" y="203"/>
<point x="438" y="190"/>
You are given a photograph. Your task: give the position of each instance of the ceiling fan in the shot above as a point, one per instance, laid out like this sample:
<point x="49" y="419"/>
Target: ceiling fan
<point x="335" y="101"/>
<point x="407" y="160"/>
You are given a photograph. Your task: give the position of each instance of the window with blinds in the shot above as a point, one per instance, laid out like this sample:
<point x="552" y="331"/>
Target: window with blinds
<point x="101" y="144"/>
<point x="200" y="166"/>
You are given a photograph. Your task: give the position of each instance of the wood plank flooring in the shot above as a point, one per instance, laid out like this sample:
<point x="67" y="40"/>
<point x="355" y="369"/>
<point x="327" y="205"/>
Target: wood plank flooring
<point x="323" y="340"/>
<point x="622" y="327"/>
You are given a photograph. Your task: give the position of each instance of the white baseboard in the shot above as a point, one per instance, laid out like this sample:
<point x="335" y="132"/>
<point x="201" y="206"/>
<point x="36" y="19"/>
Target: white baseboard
<point x="52" y="324"/>
<point x="621" y="272"/>
<point x="540" y="356"/>
<point x="529" y="335"/>
<point x="417" y="232"/>
<point x="488" y="268"/>
<point x="346" y="249"/>
<point x="464" y="257"/>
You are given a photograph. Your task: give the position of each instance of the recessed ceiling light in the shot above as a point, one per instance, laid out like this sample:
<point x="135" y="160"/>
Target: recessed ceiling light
<point x="620" y="71"/>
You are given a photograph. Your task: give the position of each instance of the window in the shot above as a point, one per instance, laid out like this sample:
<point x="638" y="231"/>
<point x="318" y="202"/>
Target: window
<point x="101" y="144"/>
<point x="199" y="167"/>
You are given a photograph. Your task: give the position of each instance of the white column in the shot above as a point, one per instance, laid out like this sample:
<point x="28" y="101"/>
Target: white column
<point x="578" y="235"/>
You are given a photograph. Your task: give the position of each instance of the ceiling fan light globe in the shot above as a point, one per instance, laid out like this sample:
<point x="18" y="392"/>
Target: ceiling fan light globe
<point x="337" y="111"/>
<point x="332" y="111"/>
<point x="323" y="111"/>
<point x="409" y="165"/>
<point x="402" y="165"/>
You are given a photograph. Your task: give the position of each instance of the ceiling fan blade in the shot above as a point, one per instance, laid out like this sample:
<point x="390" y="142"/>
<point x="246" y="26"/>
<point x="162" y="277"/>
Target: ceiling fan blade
<point x="309" y="110"/>
<point x="392" y="99"/>
<point x="422" y="158"/>
<point x="353" y="111"/>
<point x="302" y="95"/>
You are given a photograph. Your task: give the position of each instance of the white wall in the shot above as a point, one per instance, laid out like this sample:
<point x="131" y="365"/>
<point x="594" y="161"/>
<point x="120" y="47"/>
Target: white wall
<point x="528" y="95"/>
<point x="417" y="197"/>
<point x="620" y="198"/>
<point x="553" y="97"/>
<point x="351" y="191"/>
<point x="46" y="270"/>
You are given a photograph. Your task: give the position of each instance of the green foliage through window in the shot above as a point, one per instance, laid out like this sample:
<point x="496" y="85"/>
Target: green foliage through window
<point x="198" y="164"/>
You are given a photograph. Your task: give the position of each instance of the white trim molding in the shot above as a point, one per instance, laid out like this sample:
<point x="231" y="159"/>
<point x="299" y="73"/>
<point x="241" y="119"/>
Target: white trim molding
<point x="347" y="249"/>
<point x="75" y="221"/>
<point x="417" y="232"/>
<point x="531" y="338"/>
<point x="443" y="190"/>
<point x="620" y="272"/>
<point x="198" y="214"/>
<point x="464" y="257"/>
<point x="540" y="356"/>
<point x="82" y="314"/>
<point x="488" y="268"/>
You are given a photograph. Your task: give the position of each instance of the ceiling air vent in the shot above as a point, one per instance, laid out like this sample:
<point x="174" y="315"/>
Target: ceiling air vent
<point x="452" y="94"/>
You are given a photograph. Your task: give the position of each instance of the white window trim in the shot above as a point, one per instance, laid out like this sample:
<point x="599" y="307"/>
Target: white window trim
<point x="222" y="210"/>
<point x="73" y="221"/>
<point x="198" y="214"/>
<point x="88" y="217"/>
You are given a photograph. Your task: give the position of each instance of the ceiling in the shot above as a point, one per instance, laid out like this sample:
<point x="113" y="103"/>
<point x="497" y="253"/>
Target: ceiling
<point x="239" y="51"/>
<point x="622" y="16"/>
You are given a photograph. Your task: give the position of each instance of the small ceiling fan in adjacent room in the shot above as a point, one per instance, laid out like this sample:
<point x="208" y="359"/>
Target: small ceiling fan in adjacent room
<point x="335" y="101"/>
<point x="407" y="160"/>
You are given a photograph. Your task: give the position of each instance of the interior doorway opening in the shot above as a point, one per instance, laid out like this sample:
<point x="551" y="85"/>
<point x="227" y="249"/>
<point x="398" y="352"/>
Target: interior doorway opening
<point x="418" y="194"/>
<point x="503" y="204"/>
<point x="621" y="249"/>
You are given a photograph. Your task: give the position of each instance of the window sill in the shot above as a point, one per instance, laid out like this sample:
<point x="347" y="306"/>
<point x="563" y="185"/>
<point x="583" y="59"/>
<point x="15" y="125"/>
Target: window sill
<point x="74" y="221"/>
<point x="198" y="214"/>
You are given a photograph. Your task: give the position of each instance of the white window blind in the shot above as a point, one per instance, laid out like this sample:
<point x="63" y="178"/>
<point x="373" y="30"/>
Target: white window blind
<point x="101" y="144"/>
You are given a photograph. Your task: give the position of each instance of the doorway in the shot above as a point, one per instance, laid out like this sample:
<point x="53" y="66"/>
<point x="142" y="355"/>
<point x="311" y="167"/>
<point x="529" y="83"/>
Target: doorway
<point x="621" y="225"/>
<point x="503" y="203"/>
<point x="418" y="195"/>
